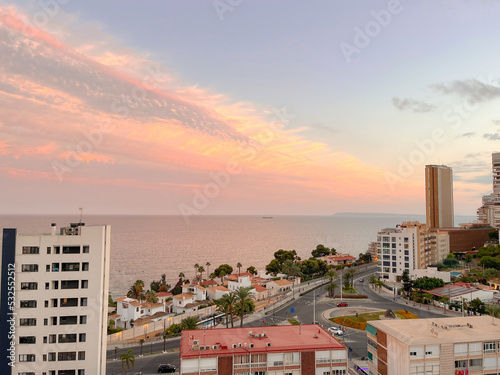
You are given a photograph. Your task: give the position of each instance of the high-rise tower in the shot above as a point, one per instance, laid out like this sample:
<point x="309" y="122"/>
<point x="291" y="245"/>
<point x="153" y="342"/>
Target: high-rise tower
<point x="439" y="196"/>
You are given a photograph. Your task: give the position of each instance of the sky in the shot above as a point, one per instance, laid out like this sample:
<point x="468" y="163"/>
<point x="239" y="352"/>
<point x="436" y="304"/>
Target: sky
<point x="284" y="107"/>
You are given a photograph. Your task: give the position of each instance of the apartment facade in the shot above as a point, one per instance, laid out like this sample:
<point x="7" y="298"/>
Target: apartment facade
<point x="439" y="196"/>
<point x="445" y="346"/>
<point x="486" y="213"/>
<point x="297" y="350"/>
<point x="397" y="251"/>
<point x="495" y="161"/>
<point x="60" y="283"/>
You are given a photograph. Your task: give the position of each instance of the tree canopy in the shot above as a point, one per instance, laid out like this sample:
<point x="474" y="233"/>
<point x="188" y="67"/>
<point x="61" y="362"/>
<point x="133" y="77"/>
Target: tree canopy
<point x="428" y="283"/>
<point x="321" y="251"/>
<point x="226" y="268"/>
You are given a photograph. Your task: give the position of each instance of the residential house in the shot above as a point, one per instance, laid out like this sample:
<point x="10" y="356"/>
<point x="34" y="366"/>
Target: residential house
<point x="217" y="292"/>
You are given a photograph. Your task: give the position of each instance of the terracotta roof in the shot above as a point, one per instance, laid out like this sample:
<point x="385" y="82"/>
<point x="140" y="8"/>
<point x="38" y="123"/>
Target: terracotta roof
<point x="164" y="294"/>
<point x="220" y="287"/>
<point x="194" y="304"/>
<point x="114" y="316"/>
<point x="158" y="314"/>
<point x="182" y="296"/>
<point x="283" y="282"/>
<point x="134" y="303"/>
<point x="341" y="257"/>
<point x="121" y="299"/>
<point x="208" y="282"/>
<point x="259" y="288"/>
<point x="141" y="321"/>
<point x="149" y="305"/>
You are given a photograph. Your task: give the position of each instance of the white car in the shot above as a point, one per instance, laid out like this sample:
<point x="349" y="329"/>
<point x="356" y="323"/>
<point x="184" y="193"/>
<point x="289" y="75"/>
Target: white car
<point x="335" y="331"/>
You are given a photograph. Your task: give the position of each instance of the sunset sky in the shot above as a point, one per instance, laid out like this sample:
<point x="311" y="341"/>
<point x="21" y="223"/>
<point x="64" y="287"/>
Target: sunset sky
<point x="245" y="106"/>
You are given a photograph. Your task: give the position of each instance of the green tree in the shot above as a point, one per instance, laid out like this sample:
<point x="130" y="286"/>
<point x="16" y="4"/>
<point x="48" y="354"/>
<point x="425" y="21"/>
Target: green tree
<point x="191" y="322"/>
<point x="196" y="267"/>
<point x="230" y="301"/>
<point x="331" y="275"/>
<point x="407" y="282"/>
<point x="239" y="265"/>
<point x="309" y="267"/>
<point x="428" y="283"/>
<point x="208" y="268"/>
<point x="226" y="268"/>
<point x="136" y="291"/>
<point x="493" y="235"/>
<point x="445" y="300"/>
<point x="223" y="306"/>
<point x="427" y="298"/>
<point x="252" y="270"/>
<point x="111" y="303"/>
<point x="489" y="262"/>
<point x="151" y="297"/>
<point x="320" y="251"/>
<point x="493" y="310"/>
<point x="282" y="255"/>
<point x="274" y="267"/>
<point x="242" y="296"/>
<point x="201" y="269"/>
<point x="477" y="305"/>
<point x="128" y="360"/>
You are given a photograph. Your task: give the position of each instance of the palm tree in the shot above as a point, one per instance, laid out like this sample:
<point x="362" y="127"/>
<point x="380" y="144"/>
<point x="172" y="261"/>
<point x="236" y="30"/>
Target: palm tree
<point x="201" y="269"/>
<point x="242" y="296"/>
<point x="181" y="275"/>
<point x="208" y="267"/>
<point x="191" y="322"/>
<point x="428" y="298"/>
<point x="128" y="360"/>
<point x="331" y="275"/>
<point x="221" y="275"/>
<point x="136" y="291"/>
<point x="445" y="300"/>
<point x="239" y="265"/>
<point x="151" y="297"/>
<point x="493" y="310"/>
<point x="196" y="267"/>
<point x="223" y="307"/>
<point x="373" y="281"/>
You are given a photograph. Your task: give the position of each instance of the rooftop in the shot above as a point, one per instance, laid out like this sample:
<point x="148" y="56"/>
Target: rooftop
<point x="264" y="339"/>
<point x="442" y="330"/>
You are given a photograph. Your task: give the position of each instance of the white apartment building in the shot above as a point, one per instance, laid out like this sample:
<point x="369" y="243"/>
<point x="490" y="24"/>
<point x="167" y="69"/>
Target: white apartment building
<point x="444" y="346"/>
<point x="242" y="282"/>
<point x="396" y="249"/>
<point x="486" y="213"/>
<point x="61" y="300"/>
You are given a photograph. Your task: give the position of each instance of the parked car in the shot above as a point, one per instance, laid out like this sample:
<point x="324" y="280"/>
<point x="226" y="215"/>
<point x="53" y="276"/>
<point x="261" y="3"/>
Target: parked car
<point x="342" y="304"/>
<point x="361" y="280"/>
<point x="167" y="367"/>
<point x="335" y="331"/>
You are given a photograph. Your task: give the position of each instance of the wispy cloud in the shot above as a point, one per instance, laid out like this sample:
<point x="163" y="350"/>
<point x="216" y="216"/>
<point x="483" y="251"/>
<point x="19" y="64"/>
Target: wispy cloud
<point x="408" y="104"/>
<point x="467" y="135"/>
<point x="492" y="137"/>
<point x="470" y="89"/>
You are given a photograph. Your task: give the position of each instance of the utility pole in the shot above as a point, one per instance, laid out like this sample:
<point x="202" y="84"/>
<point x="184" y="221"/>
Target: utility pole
<point x="341" y="280"/>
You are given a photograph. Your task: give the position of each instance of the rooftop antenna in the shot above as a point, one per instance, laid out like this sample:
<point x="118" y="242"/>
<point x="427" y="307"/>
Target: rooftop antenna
<point x="81" y="214"/>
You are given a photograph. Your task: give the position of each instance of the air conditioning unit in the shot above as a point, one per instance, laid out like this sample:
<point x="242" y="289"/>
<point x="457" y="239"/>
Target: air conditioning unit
<point x="196" y="342"/>
<point x="234" y="346"/>
<point x="251" y="345"/>
<point x="214" y="347"/>
<point x="268" y="344"/>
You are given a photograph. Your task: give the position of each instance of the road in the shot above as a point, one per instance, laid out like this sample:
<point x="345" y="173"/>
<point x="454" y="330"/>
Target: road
<point x="303" y="306"/>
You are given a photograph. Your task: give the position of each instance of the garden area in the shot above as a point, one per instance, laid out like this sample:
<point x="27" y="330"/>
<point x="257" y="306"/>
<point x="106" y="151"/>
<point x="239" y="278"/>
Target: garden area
<point x="359" y="321"/>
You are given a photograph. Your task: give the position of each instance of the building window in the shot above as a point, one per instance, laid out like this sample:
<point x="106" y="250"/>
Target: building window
<point x="27" y="340"/>
<point x="407" y="265"/>
<point x="71" y="250"/>
<point x="29" y="286"/>
<point x="81" y="372"/>
<point x="476" y="364"/>
<point x="46" y="303"/>
<point x="54" y="302"/>
<point x="68" y="267"/>
<point x="83" y="301"/>
<point x="47" y="268"/>
<point x="69" y="284"/>
<point x="52" y="357"/>
<point x="66" y="356"/>
<point x="48" y="249"/>
<point x="31" y="250"/>
<point x="490" y="347"/>
<point x="81" y="356"/>
<point x="65" y="338"/>
<point x="275" y="359"/>
<point x="292" y="359"/>
<point x="393" y="245"/>
<point x="45" y="321"/>
<point x="69" y="302"/>
<point x="26" y="358"/>
<point x="83" y="319"/>
<point x="29" y="268"/>
<point x="82" y="337"/>
<point x="67" y="320"/>
<point x="85" y="266"/>
<point x="55" y="284"/>
<point x="475" y="348"/>
<point x="407" y="259"/>
<point x="55" y="267"/>
<point x="406" y="240"/>
<point x="85" y="284"/>
<point x="460" y="350"/>
<point x="28" y="304"/>
<point x="27" y="322"/>
<point x="86" y="249"/>
<point x="52" y="339"/>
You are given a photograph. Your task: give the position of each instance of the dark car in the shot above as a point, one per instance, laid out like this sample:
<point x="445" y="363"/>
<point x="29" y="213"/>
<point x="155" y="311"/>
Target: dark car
<point x="166" y="368"/>
<point x="342" y="304"/>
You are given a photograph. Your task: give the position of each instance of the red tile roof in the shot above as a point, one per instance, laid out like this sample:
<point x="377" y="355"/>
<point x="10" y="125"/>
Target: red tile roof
<point x="164" y="294"/>
<point x="306" y="337"/>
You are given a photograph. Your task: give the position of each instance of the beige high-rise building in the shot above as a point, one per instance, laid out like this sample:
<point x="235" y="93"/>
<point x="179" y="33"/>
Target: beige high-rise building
<point x="439" y="196"/>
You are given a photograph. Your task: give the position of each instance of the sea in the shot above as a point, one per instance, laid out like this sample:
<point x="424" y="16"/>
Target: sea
<point x="145" y="247"/>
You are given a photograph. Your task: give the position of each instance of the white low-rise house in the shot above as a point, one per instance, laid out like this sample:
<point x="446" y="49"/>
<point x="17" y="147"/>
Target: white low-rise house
<point x="431" y="272"/>
<point x="129" y="310"/>
<point x="241" y="282"/>
<point x="186" y="302"/>
<point x="199" y="292"/>
<point x="278" y="286"/>
<point x="260" y="292"/>
<point x="217" y="292"/>
<point x="164" y="296"/>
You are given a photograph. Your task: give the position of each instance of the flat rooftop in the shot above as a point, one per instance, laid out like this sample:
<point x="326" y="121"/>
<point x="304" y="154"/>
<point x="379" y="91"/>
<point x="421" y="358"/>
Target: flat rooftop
<point x="228" y="341"/>
<point x="441" y="330"/>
